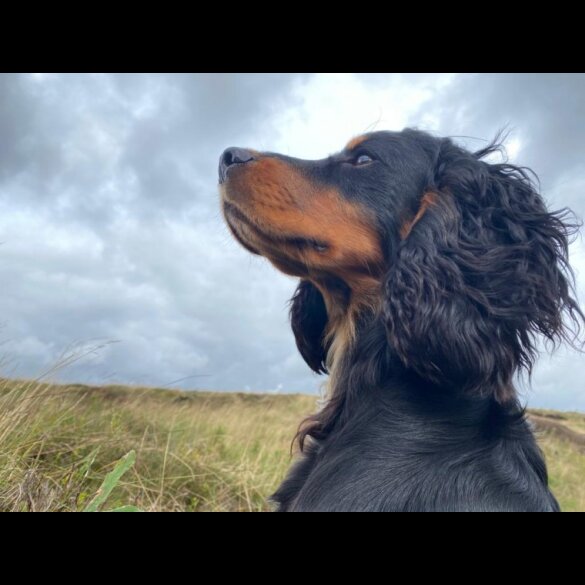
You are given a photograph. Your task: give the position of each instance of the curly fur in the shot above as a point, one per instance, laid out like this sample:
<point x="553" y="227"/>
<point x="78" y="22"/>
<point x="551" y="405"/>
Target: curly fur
<point x="483" y="273"/>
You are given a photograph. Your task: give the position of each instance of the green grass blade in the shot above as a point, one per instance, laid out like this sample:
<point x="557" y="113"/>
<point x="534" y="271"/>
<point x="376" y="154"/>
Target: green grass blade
<point x="111" y="481"/>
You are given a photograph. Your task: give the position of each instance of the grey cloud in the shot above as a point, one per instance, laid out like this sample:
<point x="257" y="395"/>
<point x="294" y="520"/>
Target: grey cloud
<point x="111" y="229"/>
<point x="116" y="177"/>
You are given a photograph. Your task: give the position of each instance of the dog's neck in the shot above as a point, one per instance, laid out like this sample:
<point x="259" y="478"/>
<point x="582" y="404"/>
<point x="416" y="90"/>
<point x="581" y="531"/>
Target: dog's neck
<point x="362" y="364"/>
<point x="349" y="305"/>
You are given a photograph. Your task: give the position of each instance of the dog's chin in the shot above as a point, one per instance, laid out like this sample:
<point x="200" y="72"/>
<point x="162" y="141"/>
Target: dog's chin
<point x="233" y="227"/>
<point x="247" y="233"/>
<point x="285" y="251"/>
<point x="267" y="247"/>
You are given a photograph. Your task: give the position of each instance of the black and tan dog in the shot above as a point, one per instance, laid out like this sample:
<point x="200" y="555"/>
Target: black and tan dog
<point x="426" y="276"/>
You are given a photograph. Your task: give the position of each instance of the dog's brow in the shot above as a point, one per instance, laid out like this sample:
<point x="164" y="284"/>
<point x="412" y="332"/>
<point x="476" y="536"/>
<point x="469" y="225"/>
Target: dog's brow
<point x="354" y="142"/>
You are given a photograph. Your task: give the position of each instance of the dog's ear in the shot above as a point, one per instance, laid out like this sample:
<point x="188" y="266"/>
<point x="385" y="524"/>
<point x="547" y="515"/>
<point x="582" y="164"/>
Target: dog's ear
<point x="308" y="318"/>
<point x="481" y="270"/>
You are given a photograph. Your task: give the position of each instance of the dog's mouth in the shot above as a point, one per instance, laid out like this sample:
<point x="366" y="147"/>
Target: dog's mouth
<point x="265" y="240"/>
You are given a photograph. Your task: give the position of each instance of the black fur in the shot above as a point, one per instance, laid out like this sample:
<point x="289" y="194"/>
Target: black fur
<point x="308" y="318"/>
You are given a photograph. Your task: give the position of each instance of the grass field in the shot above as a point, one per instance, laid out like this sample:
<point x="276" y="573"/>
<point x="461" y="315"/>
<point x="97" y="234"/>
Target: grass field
<point x="196" y="451"/>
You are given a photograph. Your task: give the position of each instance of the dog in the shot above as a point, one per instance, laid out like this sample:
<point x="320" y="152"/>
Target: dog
<point x="427" y="275"/>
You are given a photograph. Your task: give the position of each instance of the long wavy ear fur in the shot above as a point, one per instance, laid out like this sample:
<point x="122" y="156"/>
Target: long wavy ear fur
<point x="308" y="317"/>
<point x="480" y="275"/>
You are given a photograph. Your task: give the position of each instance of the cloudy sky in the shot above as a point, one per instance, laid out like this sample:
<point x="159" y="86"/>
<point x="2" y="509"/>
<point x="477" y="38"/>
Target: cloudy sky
<point x="113" y="253"/>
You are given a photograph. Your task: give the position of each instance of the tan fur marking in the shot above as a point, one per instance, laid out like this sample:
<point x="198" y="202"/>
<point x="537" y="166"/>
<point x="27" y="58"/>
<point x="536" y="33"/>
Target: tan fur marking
<point x="428" y="199"/>
<point x="355" y="142"/>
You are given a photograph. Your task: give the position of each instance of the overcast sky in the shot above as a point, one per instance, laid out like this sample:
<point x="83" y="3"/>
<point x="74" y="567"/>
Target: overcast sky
<point x="110" y="227"/>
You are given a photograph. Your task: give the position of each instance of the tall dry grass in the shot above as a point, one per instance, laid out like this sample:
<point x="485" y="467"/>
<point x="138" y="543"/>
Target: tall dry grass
<point x="196" y="451"/>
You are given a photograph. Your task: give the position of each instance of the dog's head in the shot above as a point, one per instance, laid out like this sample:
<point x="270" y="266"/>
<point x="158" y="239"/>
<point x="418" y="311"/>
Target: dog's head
<point x="459" y="257"/>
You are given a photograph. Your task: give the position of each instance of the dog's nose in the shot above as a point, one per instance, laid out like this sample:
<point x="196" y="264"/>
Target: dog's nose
<point x="232" y="156"/>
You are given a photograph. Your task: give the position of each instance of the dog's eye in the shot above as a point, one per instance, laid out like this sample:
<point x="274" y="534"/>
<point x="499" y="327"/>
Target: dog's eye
<point x="363" y="159"/>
